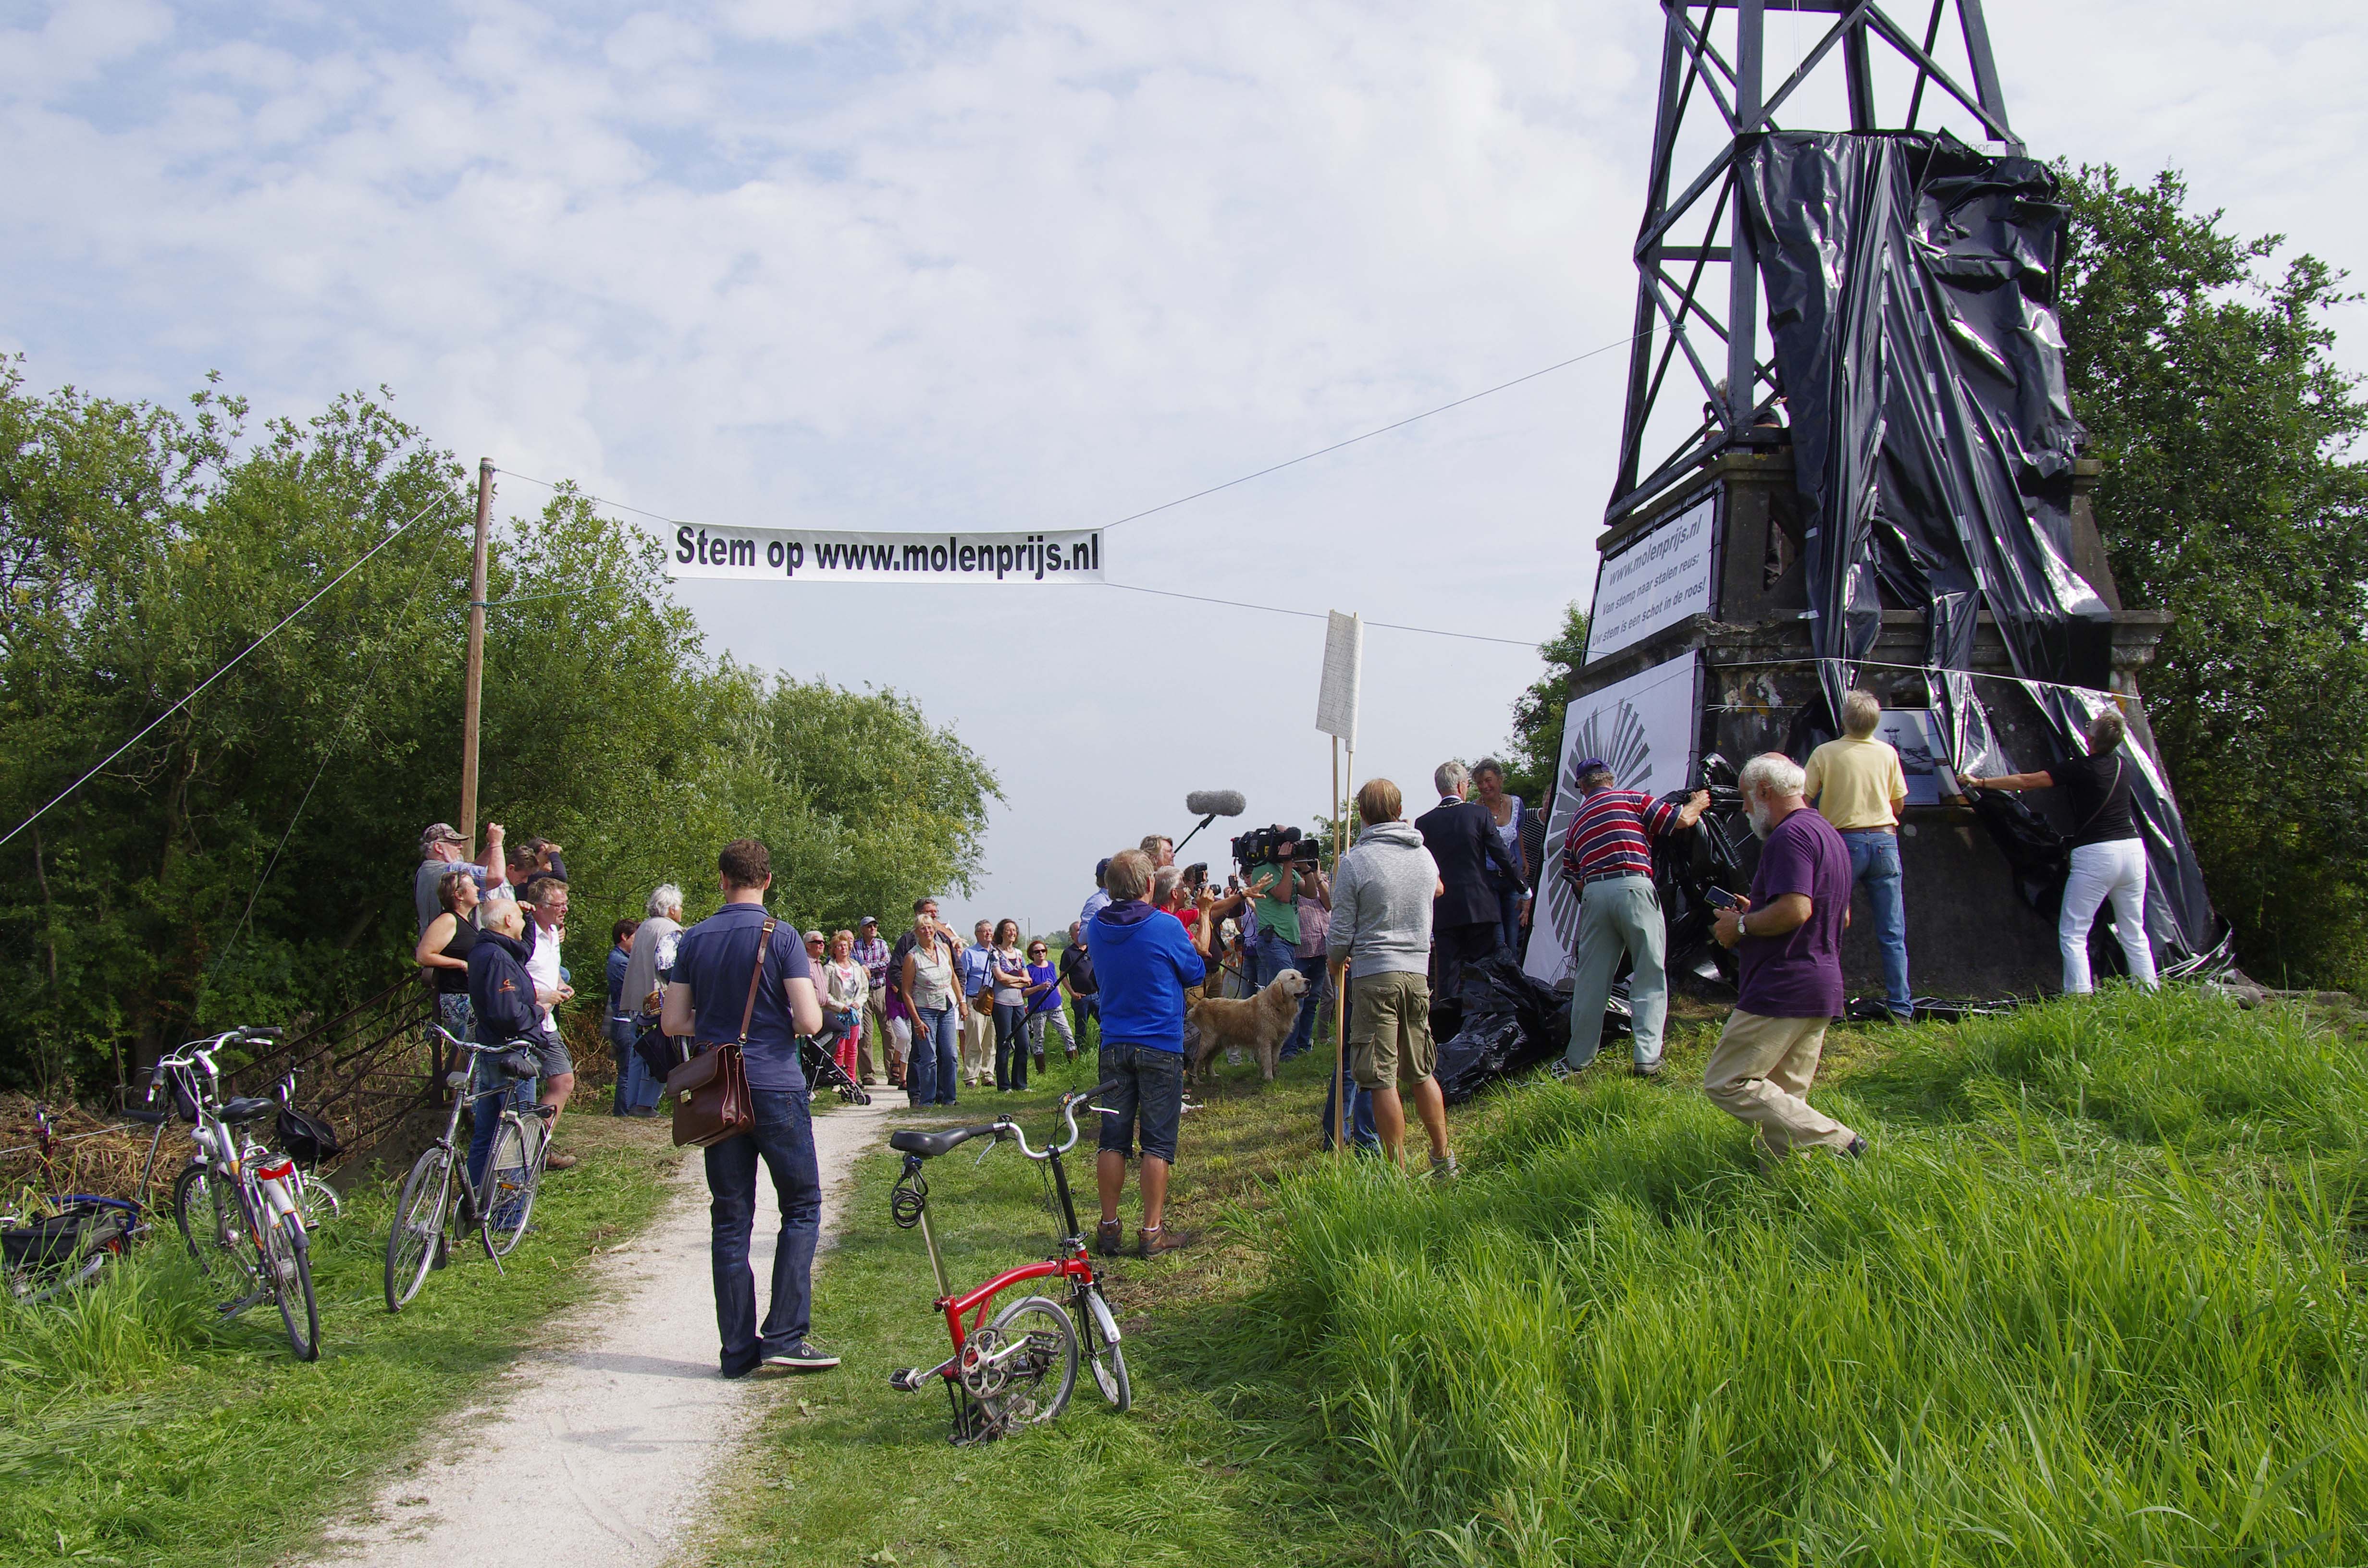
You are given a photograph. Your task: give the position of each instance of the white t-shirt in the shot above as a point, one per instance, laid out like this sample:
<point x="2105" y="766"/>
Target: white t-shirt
<point x="543" y="965"/>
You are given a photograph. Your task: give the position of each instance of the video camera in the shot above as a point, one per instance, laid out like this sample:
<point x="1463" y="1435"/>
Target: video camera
<point x="1276" y="847"/>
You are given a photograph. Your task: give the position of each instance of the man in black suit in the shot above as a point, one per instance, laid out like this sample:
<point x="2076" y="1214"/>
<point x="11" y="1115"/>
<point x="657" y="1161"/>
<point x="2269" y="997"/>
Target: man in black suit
<point x="1462" y="837"/>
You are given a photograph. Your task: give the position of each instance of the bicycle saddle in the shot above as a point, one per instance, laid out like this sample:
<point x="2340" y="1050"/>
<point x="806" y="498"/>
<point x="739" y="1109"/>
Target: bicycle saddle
<point x="926" y="1144"/>
<point x="248" y="1107"/>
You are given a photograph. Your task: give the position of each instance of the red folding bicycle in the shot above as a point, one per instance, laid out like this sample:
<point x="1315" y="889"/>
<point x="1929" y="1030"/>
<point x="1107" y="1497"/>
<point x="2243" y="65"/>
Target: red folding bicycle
<point x="1019" y="1367"/>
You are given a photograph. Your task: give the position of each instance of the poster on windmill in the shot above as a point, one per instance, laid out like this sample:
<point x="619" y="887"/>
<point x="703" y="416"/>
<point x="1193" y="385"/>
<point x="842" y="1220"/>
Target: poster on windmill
<point x="1655" y="579"/>
<point x="1643" y="730"/>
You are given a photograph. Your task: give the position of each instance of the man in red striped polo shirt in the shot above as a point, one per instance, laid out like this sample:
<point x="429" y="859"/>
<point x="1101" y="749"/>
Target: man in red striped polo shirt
<point x="1608" y="855"/>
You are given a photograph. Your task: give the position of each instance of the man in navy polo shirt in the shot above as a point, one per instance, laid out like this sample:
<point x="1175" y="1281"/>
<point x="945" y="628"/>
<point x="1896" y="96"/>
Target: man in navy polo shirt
<point x="704" y="999"/>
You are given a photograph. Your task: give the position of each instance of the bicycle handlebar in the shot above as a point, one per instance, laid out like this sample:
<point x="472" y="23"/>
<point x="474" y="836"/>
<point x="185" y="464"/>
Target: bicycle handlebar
<point x="1069" y="1104"/>
<point x="473" y="1047"/>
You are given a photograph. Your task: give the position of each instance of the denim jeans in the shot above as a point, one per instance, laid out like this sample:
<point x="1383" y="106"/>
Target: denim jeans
<point x="1010" y="1045"/>
<point x="1080" y="1009"/>
<point x="487" y="1082"/>
<point x="1875" y="866"/>
<point x="1360" y="1114"/>
<point x="1302" y="1028"/>
<point x="637" y="1088"/>
<point x="1269" y="956"/>
<point x="783" y="1139"/>
<point x="1509" y="916"/>
<point x="930" y="1075"/>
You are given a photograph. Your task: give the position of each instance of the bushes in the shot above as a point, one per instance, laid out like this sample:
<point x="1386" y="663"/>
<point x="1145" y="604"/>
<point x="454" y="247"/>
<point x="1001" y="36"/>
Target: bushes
<point x="2072" y="1318"/>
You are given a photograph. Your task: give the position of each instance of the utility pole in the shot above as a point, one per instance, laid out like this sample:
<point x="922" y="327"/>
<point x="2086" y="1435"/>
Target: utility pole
<point x="475" y="678"/>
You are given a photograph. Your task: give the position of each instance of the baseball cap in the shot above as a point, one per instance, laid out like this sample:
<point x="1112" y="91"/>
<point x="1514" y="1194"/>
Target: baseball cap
<point x="1591" y="764"/>
<point x="869" y="920"/>
<point x="439" y="833"/>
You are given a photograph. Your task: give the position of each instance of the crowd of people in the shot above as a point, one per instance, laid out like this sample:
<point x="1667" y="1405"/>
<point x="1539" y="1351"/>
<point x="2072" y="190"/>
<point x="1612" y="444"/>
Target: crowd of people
<point x="1407" y="909"/>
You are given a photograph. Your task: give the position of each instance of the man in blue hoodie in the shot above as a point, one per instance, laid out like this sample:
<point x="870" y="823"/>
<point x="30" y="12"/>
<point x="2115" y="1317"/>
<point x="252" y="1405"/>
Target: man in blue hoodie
<point x="501" y="993"/>
<point x="1144" y="961"/>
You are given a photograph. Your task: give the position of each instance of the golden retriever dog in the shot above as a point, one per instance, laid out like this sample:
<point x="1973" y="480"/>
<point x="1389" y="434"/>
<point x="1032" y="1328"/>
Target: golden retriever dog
<point x="1257" y="1024"/>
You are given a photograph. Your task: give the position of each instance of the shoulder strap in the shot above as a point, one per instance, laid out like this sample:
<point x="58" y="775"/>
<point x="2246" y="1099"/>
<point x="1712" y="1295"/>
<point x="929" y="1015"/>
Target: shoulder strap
<point x="757" y="975"/>
<point x="2103" y="801"/>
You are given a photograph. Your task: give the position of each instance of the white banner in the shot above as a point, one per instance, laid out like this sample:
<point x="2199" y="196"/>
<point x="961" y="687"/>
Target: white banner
<point x="1643" y="728"/>
<point x="1344" y="663"/>
<point x="812" y="555"/>
<point x="1657" y="581"/>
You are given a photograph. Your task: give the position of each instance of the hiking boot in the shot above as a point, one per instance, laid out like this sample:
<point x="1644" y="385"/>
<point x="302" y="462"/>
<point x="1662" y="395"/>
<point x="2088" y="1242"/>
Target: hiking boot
<point x="1109" y="1238"/>
<point x="559" y="1162"/>
<point x="802" y="1357"/>
<point x="1154" y="1240"/>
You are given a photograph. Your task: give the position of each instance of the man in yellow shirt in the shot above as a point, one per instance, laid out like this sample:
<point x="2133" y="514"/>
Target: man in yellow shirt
<point x="1859" y="787"/>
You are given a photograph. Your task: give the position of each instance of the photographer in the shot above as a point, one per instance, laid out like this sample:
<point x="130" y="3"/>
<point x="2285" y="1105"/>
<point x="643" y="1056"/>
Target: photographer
<point x="1270" y="881"/>
<point x="1314" y="920"/>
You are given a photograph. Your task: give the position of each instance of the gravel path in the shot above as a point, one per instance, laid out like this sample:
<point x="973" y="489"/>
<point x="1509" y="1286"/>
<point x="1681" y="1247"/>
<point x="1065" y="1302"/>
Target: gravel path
<point x="597" y="1448"/>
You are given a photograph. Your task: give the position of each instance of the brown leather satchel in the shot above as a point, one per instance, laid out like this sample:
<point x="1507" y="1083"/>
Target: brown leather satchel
<point x="710" y="1090"/>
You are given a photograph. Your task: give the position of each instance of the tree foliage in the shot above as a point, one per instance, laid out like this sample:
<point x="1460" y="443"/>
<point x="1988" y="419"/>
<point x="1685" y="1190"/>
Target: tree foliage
<point x="250" y="859"/>
<point x="2232" y="497"/>
<point x="1535" y="749"/>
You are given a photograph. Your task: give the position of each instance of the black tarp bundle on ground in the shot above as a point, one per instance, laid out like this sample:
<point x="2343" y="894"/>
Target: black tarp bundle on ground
<point x="1911" y="286"/>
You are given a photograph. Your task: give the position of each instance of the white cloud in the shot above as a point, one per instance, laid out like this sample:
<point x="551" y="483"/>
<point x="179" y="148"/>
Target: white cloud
<point x="1047" y="263"/>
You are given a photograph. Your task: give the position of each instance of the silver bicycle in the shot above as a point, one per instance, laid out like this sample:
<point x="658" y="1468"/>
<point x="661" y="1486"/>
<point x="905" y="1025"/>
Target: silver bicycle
<point x="496" y="1206"/>
<point x="239" y="1205"/>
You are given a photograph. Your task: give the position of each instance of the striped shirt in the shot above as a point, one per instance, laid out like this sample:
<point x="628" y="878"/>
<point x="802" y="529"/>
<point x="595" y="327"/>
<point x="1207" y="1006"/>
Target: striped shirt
<point x="1609" y="835"/>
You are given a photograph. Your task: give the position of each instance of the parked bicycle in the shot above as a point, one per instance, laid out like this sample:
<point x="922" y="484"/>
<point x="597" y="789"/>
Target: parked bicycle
<point x="64" y="1241"/>
<point x="1019" y="1367"/>
<point x="497" y="1208"/>
<point x="239" y="1205"/>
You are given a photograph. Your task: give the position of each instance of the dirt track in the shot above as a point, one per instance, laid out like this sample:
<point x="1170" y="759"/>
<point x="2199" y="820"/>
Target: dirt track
<point x="597" y="1448"/>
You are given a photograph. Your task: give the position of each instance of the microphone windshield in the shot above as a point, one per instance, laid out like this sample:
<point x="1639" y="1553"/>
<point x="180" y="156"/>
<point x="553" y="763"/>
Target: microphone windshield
<point x="1215" y="804"/>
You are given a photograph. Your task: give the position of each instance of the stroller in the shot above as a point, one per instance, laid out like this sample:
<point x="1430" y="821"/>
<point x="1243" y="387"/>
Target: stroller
<point x="819" y="1054"/>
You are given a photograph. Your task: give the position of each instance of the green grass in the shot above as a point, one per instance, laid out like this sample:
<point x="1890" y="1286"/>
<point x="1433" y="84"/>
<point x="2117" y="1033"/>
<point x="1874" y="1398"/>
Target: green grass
<point x="136" y="1427"/>
<point x="847" y="1471"/>
<point x="2088" y="1302"/>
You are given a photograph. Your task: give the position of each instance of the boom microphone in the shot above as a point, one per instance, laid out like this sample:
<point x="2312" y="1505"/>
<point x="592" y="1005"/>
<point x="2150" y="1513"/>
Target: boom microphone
<point x="1208" y="805"/>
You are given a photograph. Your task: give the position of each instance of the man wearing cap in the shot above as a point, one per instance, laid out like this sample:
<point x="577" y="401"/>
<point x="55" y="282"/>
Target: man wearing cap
<point x="441" y="848"/>
<point x="871" y="952"/>
<point x="1607" y="857"/>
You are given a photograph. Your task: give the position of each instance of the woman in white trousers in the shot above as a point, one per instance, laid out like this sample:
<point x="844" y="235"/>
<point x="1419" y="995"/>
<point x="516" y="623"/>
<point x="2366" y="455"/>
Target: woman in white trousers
<point x="2108" y="857"/>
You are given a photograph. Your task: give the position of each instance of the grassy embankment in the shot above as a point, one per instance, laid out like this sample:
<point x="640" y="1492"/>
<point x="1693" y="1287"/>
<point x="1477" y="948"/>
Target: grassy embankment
<point x="135" y="1428"/>
<point x="2088" y="1302"/>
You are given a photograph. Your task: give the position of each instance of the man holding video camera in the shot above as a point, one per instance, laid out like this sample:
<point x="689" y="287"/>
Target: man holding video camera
<point x="1270" y="883"/>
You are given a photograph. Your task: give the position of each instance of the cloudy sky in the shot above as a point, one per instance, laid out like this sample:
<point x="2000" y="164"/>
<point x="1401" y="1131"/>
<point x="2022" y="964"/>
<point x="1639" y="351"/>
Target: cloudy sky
<point x="1042" y="265"/>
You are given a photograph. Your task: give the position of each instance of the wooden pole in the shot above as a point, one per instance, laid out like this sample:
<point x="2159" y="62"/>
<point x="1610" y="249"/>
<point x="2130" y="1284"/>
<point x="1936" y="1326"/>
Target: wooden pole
<point x="1339" y="992"/>
<point x="474" y="678"/>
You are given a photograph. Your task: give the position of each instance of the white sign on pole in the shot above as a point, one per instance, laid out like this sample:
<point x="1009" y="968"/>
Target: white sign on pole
<point x="1643" y="728"/>
<point x="805" y="555"/>
<point x="1344" y="662"/>
<point x="1657" y="581"/>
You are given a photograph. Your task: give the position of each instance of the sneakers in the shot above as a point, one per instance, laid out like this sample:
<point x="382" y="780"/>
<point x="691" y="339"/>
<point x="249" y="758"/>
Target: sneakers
<point x="1856" y="1148"/>
<point x="1154" y="1240"/>
<point x="559" y="1162"/>
<point x="1639" y="1071"/>
<point x="1444" y="1169"/>
<point x="802" y="1357"/>
<point x="1109" y="1238"/>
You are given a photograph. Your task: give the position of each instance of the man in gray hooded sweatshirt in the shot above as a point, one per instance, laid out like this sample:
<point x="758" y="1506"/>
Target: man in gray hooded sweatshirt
<point x="1380" y="936"/>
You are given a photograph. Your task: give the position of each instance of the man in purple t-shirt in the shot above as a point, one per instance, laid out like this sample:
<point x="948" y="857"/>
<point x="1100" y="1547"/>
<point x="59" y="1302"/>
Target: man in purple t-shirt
<point x="1788" y="938"/>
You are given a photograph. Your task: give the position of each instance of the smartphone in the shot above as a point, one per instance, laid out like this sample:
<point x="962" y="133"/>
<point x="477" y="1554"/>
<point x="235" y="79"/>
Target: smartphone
<point x="1719" y="898"/>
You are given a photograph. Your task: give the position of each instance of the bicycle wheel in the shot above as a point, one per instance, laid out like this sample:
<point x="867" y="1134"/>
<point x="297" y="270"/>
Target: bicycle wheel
<point x="318" y="1200"/>
<point x="418" y="1225"/>
<point x="288" y="1269"/>
<point x="1022" y="1366"/>
<point x="212" y="1223"/>
<point x="1097" y="1331"/>
<point x="507" y="1195"/>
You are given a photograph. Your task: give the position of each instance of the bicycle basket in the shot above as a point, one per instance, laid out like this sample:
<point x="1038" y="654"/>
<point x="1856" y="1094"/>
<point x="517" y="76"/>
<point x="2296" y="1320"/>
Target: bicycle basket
<point x="79" y="1224"/>
<point x="308" y="1139"/>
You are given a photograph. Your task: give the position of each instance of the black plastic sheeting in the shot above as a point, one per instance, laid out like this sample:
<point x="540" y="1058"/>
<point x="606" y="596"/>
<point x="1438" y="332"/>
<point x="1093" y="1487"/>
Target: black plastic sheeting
<point x="1507" y="1022"/>
<point x="1911" y="293"/>
<point x="1911" y="286"/>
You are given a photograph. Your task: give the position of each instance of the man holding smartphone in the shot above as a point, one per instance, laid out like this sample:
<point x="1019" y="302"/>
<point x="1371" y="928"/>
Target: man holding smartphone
<point x="1608" y="856"/>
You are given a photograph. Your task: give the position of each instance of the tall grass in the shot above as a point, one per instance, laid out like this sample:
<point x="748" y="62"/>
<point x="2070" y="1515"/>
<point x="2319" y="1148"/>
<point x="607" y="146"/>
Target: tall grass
<point x="2072" y="1311"/>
